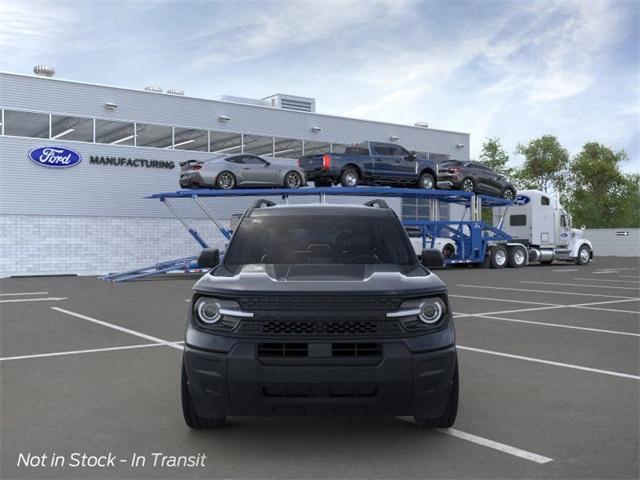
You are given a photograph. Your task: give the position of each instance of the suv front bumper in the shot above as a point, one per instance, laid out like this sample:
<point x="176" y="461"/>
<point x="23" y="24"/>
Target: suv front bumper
<point x="399" y="382"/>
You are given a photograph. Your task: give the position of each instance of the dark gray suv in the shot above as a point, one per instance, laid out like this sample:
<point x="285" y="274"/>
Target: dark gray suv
<point x="320" y="310"/>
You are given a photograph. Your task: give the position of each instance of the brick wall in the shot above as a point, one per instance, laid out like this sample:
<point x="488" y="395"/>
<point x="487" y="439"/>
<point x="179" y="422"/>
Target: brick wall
<point x="44" y="245"/>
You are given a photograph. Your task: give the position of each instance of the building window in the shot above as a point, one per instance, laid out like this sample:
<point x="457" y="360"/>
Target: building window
<point x="287" y="148"/>
<point x="225" y="142"/>
<point x="114" y="133"/>
<point x="258" y="145"/>
<point x="157" y="136"/>
<point x="190" y="139"/>
<point x="26" y="124"/>
<point x="71" y="128"/>
<point x="315" y="148"/>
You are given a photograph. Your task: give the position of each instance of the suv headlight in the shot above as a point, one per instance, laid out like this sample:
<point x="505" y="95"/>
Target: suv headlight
<point x="420" y="312"/>
<point x="219" y="313"/>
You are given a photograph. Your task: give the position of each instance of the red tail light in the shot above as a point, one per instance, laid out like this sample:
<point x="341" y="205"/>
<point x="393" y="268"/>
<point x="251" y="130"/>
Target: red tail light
<point x="326" y="161"/>
<point x="298" y="162"/>
<point x="454" y="170"/>
<point x="196" y="167"/>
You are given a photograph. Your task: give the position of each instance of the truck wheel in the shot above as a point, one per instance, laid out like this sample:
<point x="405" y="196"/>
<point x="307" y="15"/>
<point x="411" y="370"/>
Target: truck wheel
<point x="468" y="185"/>
<point x="517" y="257"/>
<point x="191" y="417"/>
<point x="584" y="255"/>
<point x="427" y="181"/>
<point x="349" y="178"/>
<point x="448" y="417"/>
<point x="226" y="180"/>
<point x="499" y="257"/>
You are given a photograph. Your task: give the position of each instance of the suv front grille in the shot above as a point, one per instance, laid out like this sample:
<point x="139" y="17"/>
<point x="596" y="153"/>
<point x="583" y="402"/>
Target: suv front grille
<point x="320" y="327"/>
<point x="305" y="304"/>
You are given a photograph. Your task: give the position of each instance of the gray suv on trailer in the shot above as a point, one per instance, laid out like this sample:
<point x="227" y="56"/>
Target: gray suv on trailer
<point x="319" y="310"/>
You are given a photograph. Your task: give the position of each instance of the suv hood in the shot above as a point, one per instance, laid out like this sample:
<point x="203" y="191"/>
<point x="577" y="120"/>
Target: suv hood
<point x="344" y="279"/>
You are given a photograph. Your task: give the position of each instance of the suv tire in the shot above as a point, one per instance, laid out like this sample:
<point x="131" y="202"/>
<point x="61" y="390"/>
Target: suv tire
<point x="448" y="417"/>
<point x="191" y="417"/>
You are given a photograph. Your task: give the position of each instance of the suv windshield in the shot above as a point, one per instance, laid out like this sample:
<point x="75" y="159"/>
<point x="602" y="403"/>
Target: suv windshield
<point x="320" y="239"/>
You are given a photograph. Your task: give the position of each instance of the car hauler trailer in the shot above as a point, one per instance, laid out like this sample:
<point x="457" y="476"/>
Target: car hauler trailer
<point x="538" y="221"/>
<point x="474" y="241"/>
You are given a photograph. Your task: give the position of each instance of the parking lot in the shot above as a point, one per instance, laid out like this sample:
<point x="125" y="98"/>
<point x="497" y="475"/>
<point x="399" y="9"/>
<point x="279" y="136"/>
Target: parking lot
<point x="549" y="366"/>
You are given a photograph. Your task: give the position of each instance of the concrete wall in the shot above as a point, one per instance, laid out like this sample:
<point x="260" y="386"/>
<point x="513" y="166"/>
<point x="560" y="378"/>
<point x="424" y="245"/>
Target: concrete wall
<point x="612" y="241"/>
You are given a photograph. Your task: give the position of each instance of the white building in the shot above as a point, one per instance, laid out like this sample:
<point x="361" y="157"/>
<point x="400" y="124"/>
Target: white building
<point x="93" y="218"/>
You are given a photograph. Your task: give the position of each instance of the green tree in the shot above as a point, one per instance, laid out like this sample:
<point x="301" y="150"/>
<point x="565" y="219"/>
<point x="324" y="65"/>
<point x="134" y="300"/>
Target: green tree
<point x="600" y="195"/>
<point x="544" y="165"/>
<point x="494" y="156"/>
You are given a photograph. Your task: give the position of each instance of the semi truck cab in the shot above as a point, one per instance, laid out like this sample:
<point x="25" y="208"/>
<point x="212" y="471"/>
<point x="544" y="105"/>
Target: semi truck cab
<point x="538" y="221"/>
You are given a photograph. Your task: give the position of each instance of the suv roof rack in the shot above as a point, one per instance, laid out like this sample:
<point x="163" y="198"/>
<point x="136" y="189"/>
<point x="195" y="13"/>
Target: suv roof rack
<point x="377" y="202"/>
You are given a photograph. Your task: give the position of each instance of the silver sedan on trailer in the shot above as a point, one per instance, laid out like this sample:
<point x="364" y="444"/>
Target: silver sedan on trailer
<point x="241" y="170"/>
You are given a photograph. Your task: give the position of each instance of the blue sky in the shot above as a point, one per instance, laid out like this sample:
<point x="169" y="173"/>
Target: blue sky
<point x="515" y="69"/>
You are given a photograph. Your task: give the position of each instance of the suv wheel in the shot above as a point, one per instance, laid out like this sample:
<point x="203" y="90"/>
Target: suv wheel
<point x="427" y="181"/>
<point x="448" y="417"/>
<point x="226" y="180"/>
<point x="509" y="194"/>
<point x="468" y="185"/>
<point x="349" y="178"/>
<point x="191" y="417"/>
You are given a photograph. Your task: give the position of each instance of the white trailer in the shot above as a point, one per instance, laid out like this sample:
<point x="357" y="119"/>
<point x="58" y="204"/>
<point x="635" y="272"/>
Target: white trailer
<point x="538" y="221"/>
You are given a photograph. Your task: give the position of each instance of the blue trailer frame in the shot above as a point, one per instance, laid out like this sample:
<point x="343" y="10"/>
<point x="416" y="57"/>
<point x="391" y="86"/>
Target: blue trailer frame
<point x="472" y="237"/>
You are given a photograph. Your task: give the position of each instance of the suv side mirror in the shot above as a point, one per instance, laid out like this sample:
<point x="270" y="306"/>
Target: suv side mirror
<point x="209" y="258"/>
<point x="412" y="156"/>
<point x="432" y="257"/>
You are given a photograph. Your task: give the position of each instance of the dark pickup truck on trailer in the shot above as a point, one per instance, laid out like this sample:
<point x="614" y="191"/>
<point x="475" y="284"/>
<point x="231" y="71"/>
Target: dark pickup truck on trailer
<point x="371" y="163"/>
<point x="319" y="310"/>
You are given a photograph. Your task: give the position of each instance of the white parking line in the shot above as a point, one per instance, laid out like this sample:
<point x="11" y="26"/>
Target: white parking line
<point x="582" y="285"/>
<point x="558" y="325"/>
<point x="604" y="280"/>
<point x="485" y="442"/>
<point x="23" y="293"/>
<point x="628" y="276"/>
<point x="567" y="270"/>
<point x="504" y="300"/>
<point x="551" y="306"/>
<point x="529" y="290"/>
<point x="549" y="362"/>
<point x="77" y="352"/>
<point x="20" y="300"/>
<point x="119" y="328"/>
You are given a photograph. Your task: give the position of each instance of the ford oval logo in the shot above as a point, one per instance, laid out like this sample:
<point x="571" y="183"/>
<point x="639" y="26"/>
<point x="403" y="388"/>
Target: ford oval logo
<point x="521" y="200"/>
<point x="55" y="157"/>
